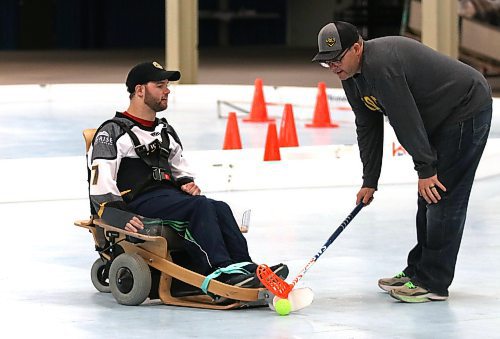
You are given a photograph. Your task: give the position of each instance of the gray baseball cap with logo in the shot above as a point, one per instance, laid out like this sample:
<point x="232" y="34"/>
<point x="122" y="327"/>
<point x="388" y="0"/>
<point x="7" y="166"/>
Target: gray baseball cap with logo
<point x="335" y="38"/>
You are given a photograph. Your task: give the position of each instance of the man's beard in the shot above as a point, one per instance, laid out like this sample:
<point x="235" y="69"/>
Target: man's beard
<point x="152" y="103"/>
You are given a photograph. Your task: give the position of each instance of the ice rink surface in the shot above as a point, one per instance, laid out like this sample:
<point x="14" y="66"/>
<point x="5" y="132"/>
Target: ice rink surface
<point x="45" y="285"/>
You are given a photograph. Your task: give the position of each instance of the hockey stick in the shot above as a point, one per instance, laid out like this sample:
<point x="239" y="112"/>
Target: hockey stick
<point x="281" y="288"/>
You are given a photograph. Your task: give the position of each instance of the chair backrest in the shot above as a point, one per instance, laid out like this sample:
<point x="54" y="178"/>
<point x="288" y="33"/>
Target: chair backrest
<point x="88" y="135"/>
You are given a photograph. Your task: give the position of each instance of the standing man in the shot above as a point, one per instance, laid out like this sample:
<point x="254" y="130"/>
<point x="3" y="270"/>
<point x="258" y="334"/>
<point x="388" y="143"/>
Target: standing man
<point x="440" y="110"/>
<point x="137" y="167"/>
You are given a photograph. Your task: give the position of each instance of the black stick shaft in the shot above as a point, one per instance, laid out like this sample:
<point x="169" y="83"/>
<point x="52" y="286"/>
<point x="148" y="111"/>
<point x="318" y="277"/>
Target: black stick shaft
<point x="329" y="242"/>
<point x="339" y="230"/>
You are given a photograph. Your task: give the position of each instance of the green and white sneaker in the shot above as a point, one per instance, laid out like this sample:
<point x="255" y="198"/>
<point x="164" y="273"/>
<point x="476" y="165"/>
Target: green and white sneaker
<point x="388" y="284"/>
<point x="410" y="293"/>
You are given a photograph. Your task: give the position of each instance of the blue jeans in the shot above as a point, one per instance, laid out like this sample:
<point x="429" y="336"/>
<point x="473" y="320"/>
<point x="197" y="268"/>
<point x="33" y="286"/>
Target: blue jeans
<point x="459" y="147"/>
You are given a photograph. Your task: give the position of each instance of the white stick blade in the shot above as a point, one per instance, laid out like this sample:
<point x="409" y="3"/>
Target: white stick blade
<point x="299" y="298"/>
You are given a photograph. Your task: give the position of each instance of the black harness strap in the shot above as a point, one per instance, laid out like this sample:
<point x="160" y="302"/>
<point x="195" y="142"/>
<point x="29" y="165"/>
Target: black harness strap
<point x="171" y="131"/>
<point x="157" y="156"/>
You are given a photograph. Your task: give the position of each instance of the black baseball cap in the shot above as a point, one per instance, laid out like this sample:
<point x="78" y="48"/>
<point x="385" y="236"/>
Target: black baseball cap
<point x="335" y="38"/>
<point x="149" y="71"/>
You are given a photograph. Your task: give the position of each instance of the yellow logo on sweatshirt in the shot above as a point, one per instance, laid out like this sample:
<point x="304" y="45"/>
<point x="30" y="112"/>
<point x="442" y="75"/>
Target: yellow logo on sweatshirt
<point x="371" y="103"/>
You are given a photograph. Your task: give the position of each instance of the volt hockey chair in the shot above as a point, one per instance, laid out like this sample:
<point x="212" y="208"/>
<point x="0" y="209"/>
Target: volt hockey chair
<point x="134" y="267"/>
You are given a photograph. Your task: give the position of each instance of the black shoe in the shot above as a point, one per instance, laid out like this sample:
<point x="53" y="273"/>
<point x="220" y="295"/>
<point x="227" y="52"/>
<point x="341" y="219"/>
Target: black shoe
<point x="281" y="270"/>
<point x="251" y="268"/>
<point x="249" y="280"/>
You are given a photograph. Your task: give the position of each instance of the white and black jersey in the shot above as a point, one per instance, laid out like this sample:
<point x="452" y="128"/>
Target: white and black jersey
<point x="118" y="174"/>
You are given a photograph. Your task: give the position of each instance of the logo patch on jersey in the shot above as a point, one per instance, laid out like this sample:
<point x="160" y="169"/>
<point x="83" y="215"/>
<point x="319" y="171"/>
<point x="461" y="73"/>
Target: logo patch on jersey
<point x="330" y="41"/>
<point x="371" y="103"/>
<point x="155" y="134"/>
<point x="154" y="146"/>
<point x="104" y="138"/>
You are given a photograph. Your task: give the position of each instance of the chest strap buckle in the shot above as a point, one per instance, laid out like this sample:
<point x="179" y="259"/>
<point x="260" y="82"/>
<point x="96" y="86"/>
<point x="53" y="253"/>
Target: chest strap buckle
<point x="160" y="174"/>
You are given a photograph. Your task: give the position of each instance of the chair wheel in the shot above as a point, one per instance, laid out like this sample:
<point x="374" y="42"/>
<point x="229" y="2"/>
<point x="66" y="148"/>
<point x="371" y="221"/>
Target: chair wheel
<point x="99" y="276"/>
<point x="130" y="279"/>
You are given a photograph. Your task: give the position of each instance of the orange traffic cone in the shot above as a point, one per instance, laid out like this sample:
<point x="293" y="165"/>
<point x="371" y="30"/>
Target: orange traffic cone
<point x="321" y="116"/>
<point x="272" y="151"/>
<point x="258" y="112"/>
<point x="288" y="133"/>
<point x="232" y="138"/>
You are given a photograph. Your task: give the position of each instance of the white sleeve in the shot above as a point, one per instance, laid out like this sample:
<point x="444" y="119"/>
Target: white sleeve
<point x="104" y="158"/>
<point x="179" y="164"/>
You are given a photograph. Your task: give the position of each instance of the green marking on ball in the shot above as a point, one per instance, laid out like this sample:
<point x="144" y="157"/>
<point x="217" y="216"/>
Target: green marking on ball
<point x="283" y="307"/>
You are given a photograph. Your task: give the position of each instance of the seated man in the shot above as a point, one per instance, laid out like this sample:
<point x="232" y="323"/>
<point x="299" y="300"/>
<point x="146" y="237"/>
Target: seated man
<point x="136" y="165"/>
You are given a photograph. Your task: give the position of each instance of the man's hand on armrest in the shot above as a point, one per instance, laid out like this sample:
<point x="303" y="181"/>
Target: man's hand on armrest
<point x="122" y="219"/>
<point x="134" y="225"/>
<point x="191" y="188"/>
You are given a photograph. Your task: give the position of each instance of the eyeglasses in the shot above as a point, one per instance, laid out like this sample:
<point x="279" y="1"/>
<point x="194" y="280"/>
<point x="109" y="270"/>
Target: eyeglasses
<point x="335" y="62"/>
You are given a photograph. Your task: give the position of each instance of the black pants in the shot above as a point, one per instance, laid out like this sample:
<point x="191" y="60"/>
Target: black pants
<point x="431" y="263"/>
<point x="210" y="222"/>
